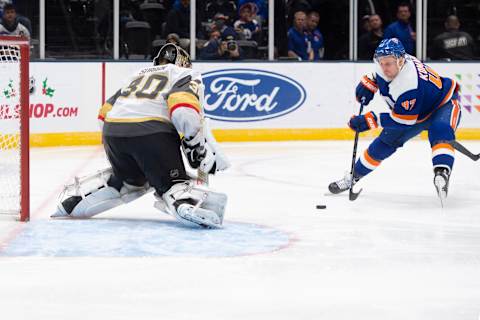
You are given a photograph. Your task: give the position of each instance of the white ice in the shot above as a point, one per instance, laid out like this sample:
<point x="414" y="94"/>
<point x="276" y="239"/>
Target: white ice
<point x="391" y="254"/>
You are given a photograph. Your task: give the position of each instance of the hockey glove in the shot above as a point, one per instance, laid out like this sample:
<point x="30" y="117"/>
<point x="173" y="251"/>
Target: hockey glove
<point x="366" y="90"/>
<point x="364" y="122"/>
<point x="199" y="153"/>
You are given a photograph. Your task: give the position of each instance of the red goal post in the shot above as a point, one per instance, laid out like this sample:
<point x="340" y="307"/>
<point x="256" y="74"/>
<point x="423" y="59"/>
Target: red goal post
<point x="14" y="126"/>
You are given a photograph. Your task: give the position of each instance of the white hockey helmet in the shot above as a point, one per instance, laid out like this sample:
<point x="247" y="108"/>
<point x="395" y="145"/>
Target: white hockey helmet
<point x="171" y="53"/>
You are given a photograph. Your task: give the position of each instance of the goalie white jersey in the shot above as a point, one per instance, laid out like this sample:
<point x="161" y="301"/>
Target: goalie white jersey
<point x="148" y="100"/>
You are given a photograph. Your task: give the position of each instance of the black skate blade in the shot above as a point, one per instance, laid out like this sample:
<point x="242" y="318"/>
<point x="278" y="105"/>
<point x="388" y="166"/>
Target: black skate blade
<point x="354" y="195"/>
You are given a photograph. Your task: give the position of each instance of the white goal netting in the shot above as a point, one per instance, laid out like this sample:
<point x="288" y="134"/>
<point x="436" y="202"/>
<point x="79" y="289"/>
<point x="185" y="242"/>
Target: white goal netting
<point x="10" y="159"/>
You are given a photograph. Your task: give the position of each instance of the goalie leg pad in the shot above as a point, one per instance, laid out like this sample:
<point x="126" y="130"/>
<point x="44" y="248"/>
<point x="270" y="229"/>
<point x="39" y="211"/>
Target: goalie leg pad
<point x="104" y="197"/>
<point x="191" y="205"/>
<point x="97" y="202"/>
<point x="214" y="201"/>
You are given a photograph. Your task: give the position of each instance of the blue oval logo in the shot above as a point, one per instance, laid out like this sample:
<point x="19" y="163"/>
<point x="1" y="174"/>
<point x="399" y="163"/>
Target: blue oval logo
<point x="250" y="95"/>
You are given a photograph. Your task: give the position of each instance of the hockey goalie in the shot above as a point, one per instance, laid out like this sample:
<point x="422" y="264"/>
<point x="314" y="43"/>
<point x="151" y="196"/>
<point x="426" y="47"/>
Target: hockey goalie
<point x="146" y="126"/>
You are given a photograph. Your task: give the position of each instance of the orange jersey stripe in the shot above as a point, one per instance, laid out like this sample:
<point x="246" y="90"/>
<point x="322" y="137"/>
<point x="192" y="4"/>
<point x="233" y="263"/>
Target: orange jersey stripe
<point x="447" y="97"/>
<point x="369" y="84"/>
<point x="405" y="116"/>
<point x="442" y="146"/>
<point x="370" y="160"/>
<point x="449" y="94"/>
<point x="455" y="114"/>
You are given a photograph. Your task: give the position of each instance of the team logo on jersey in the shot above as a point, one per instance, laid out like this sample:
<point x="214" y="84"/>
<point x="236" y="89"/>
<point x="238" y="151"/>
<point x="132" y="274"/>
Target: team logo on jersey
<point x="250" y="95"/>
<point x="174" y="173"/>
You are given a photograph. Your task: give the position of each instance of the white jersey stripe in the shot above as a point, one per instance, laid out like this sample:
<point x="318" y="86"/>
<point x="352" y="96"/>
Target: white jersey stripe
<point x="441" y="151"/>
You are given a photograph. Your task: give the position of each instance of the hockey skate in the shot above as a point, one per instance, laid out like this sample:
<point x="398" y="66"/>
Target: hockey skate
<point x="440" y="180"/>
<point x="193" y="205"/>
<point x="342" y="185"/>
<point x="66" y="207"/>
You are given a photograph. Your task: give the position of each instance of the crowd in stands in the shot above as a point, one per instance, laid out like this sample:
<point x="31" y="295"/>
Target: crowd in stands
<point x="231" y="29"/>
<point x="13" y="24"/>
<point x="452" y="44"/>
<point x="225" y="29"/>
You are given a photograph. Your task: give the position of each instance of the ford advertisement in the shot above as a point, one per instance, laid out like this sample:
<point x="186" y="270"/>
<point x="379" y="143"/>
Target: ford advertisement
<point x="250" y="95"/>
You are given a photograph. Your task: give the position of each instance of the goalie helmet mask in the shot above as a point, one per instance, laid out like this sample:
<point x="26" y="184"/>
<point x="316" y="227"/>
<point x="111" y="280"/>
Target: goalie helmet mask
<point x="171" y="53"/>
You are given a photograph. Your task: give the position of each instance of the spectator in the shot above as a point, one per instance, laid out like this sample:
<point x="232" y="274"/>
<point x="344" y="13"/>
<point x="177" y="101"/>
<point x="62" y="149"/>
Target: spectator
<point x="10" y="25"/>
<point x="211" y="49"/>
<point x="226" y="7"/>
<point x="173" y="38"/>
<point x="178" y="19"/>
<point x="402" y="29"/>
<point x="216" y="49"/>
<point x="369" y="41"/>
<point x="261" y="8"/>
<point x="125" y="16"/>
<point x="314" y="35"/>
<point x="294" y="6"/>
<point x="220" y="24"/>
<point x="298" y="45"/>
<point x="453" y="44"/>
<point x="3" y="3"/>
<point x="365" y="24"/>
<point x="246" y="26"/>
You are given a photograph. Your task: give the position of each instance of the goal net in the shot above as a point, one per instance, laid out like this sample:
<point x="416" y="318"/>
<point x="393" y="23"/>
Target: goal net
<point x="14" y="127"/>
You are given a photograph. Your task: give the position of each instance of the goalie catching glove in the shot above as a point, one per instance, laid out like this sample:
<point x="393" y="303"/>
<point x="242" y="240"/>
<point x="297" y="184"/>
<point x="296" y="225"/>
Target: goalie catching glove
<point x="203" y="153"/>
<point x="199" y="153"/>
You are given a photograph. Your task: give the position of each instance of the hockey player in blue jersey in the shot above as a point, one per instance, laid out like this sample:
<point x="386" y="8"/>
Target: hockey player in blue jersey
<point x="419" y="99"/>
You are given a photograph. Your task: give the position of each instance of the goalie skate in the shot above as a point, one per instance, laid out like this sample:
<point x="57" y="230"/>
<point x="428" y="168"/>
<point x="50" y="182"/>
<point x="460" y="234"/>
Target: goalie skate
<point x="194" y="205"/>
<point x="198" y="215"/>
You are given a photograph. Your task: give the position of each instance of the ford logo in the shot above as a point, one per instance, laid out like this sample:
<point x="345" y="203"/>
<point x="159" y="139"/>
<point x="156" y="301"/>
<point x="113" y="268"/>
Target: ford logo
<point x="250" y="95"/>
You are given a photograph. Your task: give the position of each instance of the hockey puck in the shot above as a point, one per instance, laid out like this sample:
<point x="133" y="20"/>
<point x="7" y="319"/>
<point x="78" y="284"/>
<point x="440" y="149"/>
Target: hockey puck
<point x="321" y="206"/>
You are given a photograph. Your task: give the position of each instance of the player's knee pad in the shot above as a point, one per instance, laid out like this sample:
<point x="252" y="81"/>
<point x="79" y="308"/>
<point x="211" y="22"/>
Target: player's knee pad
<point x="194" y="205"/>
<point x="92" y="195"/>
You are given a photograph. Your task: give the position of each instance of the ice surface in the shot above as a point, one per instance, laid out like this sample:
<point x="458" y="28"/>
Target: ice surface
<point x="115" y="237"/>
<point x="391" y="254"/>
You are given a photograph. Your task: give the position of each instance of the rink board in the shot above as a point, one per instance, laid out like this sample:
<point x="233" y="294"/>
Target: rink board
<point x="246" y="101"/>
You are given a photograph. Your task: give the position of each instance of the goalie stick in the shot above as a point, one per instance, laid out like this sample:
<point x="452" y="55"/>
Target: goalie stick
<point x="202" y="177"/>
<point x="462" y="149"/>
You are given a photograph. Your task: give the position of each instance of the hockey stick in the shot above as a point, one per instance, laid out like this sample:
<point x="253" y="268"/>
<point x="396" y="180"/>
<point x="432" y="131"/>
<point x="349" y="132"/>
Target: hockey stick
<point x="354" y="195"/>
<point x="462" y="149"/>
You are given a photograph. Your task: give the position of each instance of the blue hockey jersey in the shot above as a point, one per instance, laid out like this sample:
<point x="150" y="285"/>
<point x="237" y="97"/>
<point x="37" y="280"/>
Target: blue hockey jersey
<point x="414" y="94"/>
